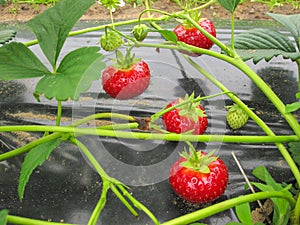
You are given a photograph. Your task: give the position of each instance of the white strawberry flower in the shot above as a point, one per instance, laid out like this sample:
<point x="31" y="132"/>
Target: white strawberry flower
<point x="111" y="4"/>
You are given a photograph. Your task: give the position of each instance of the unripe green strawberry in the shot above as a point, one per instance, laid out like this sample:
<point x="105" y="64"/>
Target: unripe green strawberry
<point x="236" y="117"/>
<point x="111" y="41"/>
<point x="140" y="32"/>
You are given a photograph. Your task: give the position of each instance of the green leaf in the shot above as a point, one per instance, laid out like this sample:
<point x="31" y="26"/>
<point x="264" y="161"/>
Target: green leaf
<point x="229" y="5"/>
<point x="167" y="34"/>
<point x="291" y="22"/>
<point x="75" y="75"/>
<point x="33" y="159"/>
<point x="289" y="108"/>
<point x="53" y="25"/>
<point x="294" y="149"/>
<point x="6" y="35"/>
<point x="262" y="43"/>
<point x="282" y="208"/>
<point x="262" y="173"/>
<point x="3" y="215"/>
<point x="18" y="62"/>
<point x="244" y="213"/>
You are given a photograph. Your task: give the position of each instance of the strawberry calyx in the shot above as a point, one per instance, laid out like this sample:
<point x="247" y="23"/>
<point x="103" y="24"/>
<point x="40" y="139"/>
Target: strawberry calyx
<point x="195" y="15"/>
<point x="191" y="109"/>
<point x="125" y="62"/>
<point x="198" y="161"/>
<point x="235" y="107"/>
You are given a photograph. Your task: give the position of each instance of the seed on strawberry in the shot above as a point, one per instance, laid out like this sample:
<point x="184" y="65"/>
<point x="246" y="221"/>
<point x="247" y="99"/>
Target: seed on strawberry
<point x="198" y="177"/>
<point x="189" y="34"/>
<point x="128" y="78"/>
<point x="236" y="117"/>
<point x="189" y="117"/>
<point x="111" y="41"/>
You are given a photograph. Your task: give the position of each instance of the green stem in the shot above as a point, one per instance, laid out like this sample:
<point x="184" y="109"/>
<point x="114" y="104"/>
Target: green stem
<point x="46" y="138"/>
<point x="59" y="113"/>
<point x="231" y="95"/>
<point x="208" y="35"/>
<point x="154" y="136"/>
<point x="240" y="64"/>
<point x="139" y="205"/>
<point x="92" y="160"/>
<point x="232" y="31"/>
<point x="158" y="114"/>
<point x="126" y="126"/>
<point x="28" y="147"/>
<point x="222" y="206"/>
<point x="123" y="200"/>
<point x="111" y="17"/>
<point x="26" y="221"/>
<point x="103" y="116"/>
<point x="148" y="7"/>
<point x="292" y="121"/>
<point x="105" y="177"/>
<point x="284" y="152"/>
<point x="100" y="205"/>
<point x="113" y="182"/>
<point x="102" y="27"/>
<point x="297" y="212"/>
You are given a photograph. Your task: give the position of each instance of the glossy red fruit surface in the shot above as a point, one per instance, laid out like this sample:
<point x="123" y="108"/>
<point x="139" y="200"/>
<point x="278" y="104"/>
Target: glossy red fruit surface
<point x="174" y="122"/>
<point x="126" y="83"/>
<point x="192" y="36"/>
<point x="195" y="186"/>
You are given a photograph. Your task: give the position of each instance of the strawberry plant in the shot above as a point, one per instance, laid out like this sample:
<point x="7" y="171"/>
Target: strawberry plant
<point x="65" y="77"/>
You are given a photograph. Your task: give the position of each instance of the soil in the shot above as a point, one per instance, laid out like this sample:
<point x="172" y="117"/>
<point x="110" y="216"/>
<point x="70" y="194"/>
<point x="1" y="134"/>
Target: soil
<point x="246" y="11"/>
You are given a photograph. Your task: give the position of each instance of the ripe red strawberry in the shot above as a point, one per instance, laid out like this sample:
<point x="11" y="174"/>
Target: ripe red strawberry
<point x="188" y="117"/>
<point x="198" y="177"/>
<point x="191" y="35"/>
<point x="236" y="117"/>
<point x="128" y="78"/>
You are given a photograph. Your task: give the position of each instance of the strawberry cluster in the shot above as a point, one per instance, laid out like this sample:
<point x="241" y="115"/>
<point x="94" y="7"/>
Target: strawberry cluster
<point x="196" y="177"/>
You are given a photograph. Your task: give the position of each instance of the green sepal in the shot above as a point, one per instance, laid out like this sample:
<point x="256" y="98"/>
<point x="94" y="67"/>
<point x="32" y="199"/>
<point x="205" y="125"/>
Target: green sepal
<point x="235" y="108"/>
<point x="197" y="161"/>
<point x="127" y="61"/>
<point x="191" y="109"/>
